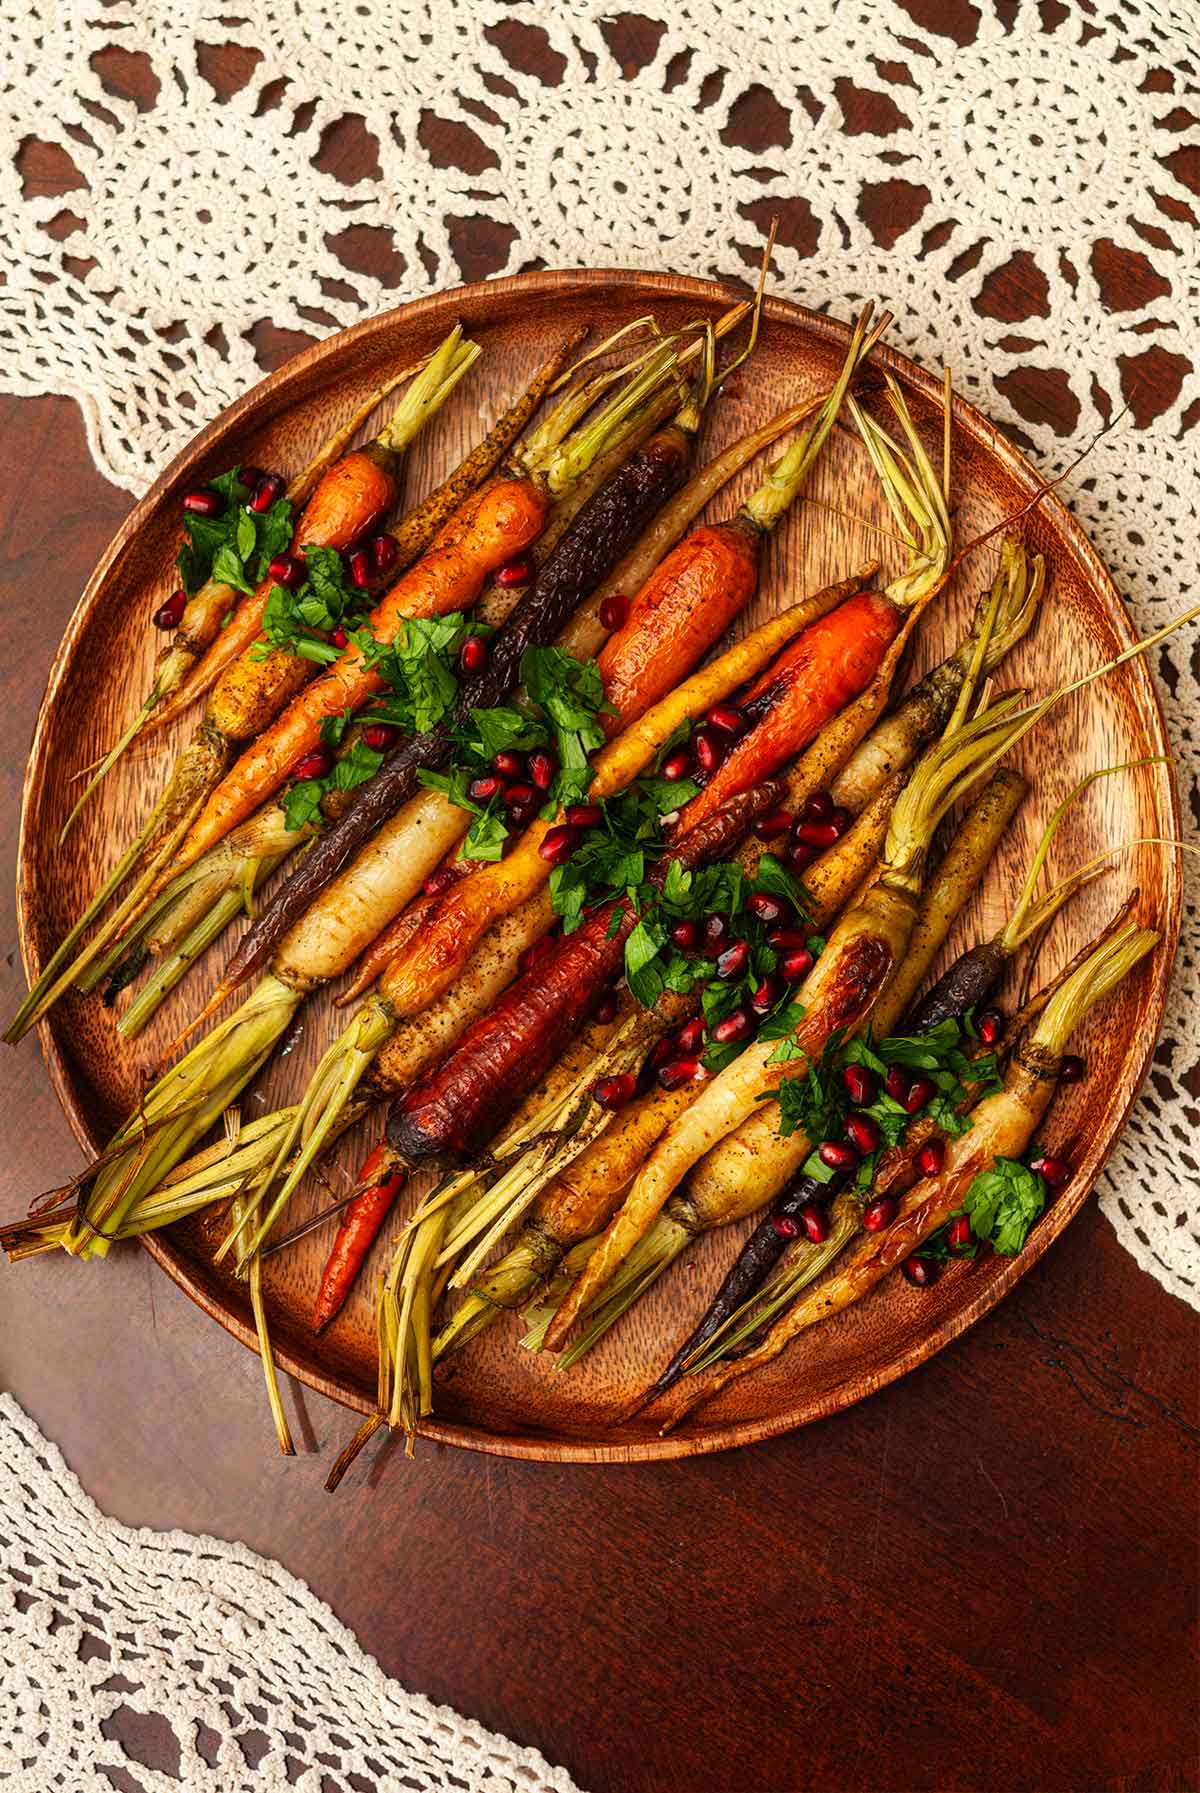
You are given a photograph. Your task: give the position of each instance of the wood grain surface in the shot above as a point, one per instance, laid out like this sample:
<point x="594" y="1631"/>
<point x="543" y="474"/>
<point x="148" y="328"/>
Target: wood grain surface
<point x="981" y="1579"/>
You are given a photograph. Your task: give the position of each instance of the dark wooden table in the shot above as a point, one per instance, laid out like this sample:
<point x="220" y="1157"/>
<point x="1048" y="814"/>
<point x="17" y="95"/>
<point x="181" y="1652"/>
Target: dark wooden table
<point x="983" y="1578"/>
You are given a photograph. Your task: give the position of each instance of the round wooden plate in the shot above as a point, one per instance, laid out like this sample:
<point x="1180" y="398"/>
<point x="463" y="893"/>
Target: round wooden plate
<point x="501" y="1398"/>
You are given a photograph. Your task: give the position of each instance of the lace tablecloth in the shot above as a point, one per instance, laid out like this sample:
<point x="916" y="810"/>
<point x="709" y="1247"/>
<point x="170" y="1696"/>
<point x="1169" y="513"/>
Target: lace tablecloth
<point x="251" y="1682"/>
<point x="931" y="155"/>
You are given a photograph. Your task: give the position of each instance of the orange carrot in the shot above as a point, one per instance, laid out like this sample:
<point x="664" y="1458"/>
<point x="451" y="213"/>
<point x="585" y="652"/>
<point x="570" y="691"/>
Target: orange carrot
<point x="823" y="671"/>
<point x="379" y="1183"/>
<point x="355" y="493"/>
<point x="683" y="608"/>
<point x="450" y="577"/>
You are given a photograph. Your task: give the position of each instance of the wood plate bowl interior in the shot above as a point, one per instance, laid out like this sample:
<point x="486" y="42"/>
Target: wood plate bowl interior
<point x="500" y="1398"/>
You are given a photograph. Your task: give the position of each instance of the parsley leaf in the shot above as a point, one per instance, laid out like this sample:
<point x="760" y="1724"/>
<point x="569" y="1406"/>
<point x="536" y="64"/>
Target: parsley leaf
<point x="1003" y="1202"/>
<point x="237" y="547"/>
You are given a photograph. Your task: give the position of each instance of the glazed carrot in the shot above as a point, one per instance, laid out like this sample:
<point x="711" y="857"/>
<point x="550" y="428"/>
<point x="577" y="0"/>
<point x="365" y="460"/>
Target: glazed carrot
<point x="360" y="1222"/>
<point x="1002" y="1126"/>
<point x="205" y="610"/>
<point x="448" y="578"/>
<point x="453" y="1110"/>
<point x="432" y="958"/>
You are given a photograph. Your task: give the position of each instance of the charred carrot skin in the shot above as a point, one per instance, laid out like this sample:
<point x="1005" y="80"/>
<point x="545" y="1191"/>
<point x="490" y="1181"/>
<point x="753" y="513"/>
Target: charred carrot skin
<point x="604" y="530"/>
<point x="452" y="1113"/>
<point x="356" y="1234"/>
<point x="688" y="602"/>
<point x="826" y="668"/>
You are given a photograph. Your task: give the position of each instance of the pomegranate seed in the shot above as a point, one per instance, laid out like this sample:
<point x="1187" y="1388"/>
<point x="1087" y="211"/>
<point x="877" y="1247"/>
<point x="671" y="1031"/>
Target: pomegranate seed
<point x="1072" y="1069"/>
<point x="685" y="935"/>
<point x="816" y="834"/>
<point x="606" y="1008"/>
<point x="766" y="996"/>
<point x="959" y="1235"/>
<point x="614" y="1092"/>
<point x="542" y="767"/>
<point x="170" y="614"/>
<point x="380" y="735"/>
<point x="664" y="1053"/>
<point x="841" y="820"/>
<point x="585" y="815"/>
<point x="725" y="719"/>
<point x="690" y="1037"/>
<point x="473" y="654"/>
<point x="919" y="1271"/>
<point x="735" y="1027"/>
<point x="1056" y="1171"/>
<point x="716" y="929"/>
<point x="204" y="504"/>
<point x="815" y="1223"/>
<point x="439" y="881"/>
<point x="383" y="550"/>
<point x="286" y="570"/>
<point x="359" y="566"/>
<point x="835" y="1154"/>
<point x="614" y="611"/>
<point x="794" y="966"/>
<point x="268" y="489"/>
<point x="519" y="796"/>
<point x="990" y="1027"/>
<point x="677" y="764"/>
<point x="919" y="1091"/>
<point x="773" y="824"/>
<point x="537" y="951"/>
<point x="733" y="961"/>
<point x="340" y="638"/>
<point x="681" y="1071"/>
<point x="482" y="790"/>
<point x="930" y="1157"/>
<point x="509" y="764"/>
<point x="801" y="856"/>
<point x="785" y="1226"/>
<point x="860" y="1085"/>
<point x="709" y="749"/>
<point x="786" y="940"/>
<point x="559" y="844"/>
<point x="878" y="1214"/>
<point x="896" y="1083"/>
<point x="862" y="1130"/>
<point x="518" y="571"/>
<point x="312" y="765"/>
<point x="766" y="907"/>
<point x="250" y="476"/>
<point x="819" y="807"/>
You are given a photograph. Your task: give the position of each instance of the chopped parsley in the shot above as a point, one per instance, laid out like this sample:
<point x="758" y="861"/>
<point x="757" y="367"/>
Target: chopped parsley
<point x="561" y="711"/>
<point x="238" y="546"/>
<point x="1002" y="1205"/>
<point x="816" y="1103"/>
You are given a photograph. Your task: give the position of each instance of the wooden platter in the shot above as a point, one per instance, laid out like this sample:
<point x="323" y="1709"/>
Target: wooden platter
<point x="500" y="1398"/>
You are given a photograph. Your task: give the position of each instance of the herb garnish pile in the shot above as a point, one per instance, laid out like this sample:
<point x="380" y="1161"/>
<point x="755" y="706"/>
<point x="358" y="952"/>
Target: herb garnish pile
<point x="237" y="547"/>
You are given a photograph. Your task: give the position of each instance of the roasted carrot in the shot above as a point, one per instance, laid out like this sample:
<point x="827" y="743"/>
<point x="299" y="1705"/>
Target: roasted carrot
<point x="506" y="520"/>
<point x="1002" y="1126"/>
<point x="205" y="610"/>
<point x="603" y="529"/>
<point x="448" y="1115"/>
<point x="202" y="762"/>
<point x="379" y="1187"/>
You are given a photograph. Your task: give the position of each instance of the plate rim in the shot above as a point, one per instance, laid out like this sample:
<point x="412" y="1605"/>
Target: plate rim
<point x="267" y="399"/>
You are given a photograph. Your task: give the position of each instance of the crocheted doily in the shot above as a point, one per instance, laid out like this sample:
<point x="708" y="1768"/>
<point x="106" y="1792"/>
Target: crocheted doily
<point x="925" y="154"/>
<point x="250" y="1680"/>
